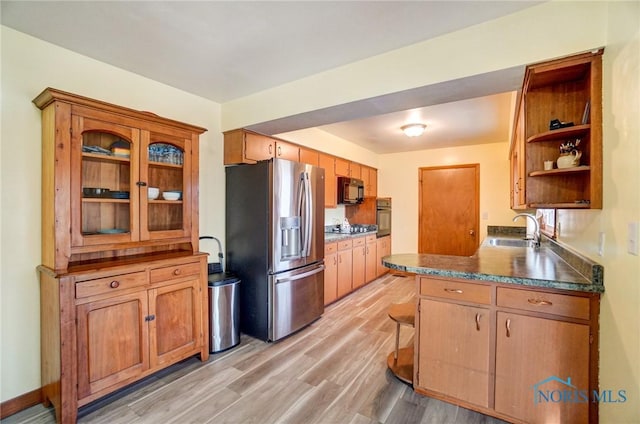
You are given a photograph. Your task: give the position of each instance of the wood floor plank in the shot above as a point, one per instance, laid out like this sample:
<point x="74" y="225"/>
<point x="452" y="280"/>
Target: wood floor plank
<point x="334" y="371"/>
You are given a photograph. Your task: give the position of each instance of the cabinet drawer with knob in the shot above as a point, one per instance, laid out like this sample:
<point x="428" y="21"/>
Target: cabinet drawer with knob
<point x="455" y="290"/>
<point x="548" y="303"/>
<point x="159" y="275"/>
<point x="110" y="284"/>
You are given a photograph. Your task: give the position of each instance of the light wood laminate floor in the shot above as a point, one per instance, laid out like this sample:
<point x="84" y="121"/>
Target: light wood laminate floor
<point x="334" y="371"/>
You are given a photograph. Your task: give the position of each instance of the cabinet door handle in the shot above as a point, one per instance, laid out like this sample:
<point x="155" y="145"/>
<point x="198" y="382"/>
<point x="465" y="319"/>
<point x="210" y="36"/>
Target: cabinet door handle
<point x="540" y="302"/>
<point x="472" y="232"/>
<point x="176" y="271"/>
<point x="508" y="325"/>
<point x="279" y="150"/>
<point x="114" y="284"/>
<point x="141" y="184"/>
<point x="335" y="261"/>
<point x="478" y="322"/>
<point x="270" y="148"/>
<point x="458" y="291"/>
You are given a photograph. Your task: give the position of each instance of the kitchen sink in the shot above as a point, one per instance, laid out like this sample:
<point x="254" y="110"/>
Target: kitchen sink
<point x="509" y="242"/>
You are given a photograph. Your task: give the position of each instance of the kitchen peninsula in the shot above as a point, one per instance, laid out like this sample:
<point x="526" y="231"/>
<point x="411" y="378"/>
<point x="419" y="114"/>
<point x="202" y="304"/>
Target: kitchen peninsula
<point x="511" y="331"/>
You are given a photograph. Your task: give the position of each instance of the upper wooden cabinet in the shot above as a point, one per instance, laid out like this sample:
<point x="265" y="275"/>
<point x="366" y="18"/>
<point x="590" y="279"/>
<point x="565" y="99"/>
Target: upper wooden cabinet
<point x="99" y="163"/>
<point x="310" y="156"/>
<point x="342" y="167"/>
<point x="244" y="146"/>
<point x="328" y="162"/>
<point x="355" y="170"/>
<point x="370" y="178"/>
<point x="289" y="151"/>
<point x="568" y="90"/>
<point x="518" y="174"/>
<point x="241" y="146"/>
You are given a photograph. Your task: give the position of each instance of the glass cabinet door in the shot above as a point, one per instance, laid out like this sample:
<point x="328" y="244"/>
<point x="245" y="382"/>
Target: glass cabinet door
<point x="103" y="183"/>
<point x="165" y="170"/>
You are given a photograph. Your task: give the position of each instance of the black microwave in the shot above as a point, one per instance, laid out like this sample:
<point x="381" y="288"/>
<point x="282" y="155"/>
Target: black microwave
<point x="350" y="191"/>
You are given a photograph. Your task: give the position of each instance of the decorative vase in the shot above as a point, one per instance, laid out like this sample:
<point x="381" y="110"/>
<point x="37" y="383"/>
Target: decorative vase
<point x="569" y="160"/>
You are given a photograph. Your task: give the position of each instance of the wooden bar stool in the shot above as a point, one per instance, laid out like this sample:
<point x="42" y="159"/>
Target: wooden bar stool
<point x="400" y="361"/>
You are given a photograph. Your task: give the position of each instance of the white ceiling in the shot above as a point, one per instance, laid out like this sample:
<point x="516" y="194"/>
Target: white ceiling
<point x="223" y="50"/>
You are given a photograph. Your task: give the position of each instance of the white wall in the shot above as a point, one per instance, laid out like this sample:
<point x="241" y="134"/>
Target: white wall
<point x="398" y="179"/>
<point x="551" y="29"/>
<point x="620" y="306"/>
<point x="29" y="66"/>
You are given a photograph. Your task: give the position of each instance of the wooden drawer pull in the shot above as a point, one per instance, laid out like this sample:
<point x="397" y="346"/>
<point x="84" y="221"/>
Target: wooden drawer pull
<point x="540" y="302"/>
<point x="176" y="271"/>
<point x="458" y="291"/>
<point x="114" y="284"/>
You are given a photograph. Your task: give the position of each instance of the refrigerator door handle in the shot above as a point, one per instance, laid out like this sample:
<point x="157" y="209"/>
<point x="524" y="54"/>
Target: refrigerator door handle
<point x="300" y="276"/>
<point x="301" y="198"/>
<point x="308" y="215"/>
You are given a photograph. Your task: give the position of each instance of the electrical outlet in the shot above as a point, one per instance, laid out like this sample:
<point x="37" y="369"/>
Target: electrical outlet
<point x="485" y="216"/>
<point x="632" y="238"/>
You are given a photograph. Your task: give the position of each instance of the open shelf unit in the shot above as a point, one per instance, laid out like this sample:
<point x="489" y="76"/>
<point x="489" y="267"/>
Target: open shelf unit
<point x="568" y="90"/>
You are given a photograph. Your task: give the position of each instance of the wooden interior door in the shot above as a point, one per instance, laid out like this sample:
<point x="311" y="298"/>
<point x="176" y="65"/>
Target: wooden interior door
<point x="448" y="213"/>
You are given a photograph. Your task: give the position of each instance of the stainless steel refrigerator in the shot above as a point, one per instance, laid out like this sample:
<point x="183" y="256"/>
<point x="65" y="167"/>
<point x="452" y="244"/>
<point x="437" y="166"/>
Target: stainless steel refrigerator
<point x="275" y="244"/>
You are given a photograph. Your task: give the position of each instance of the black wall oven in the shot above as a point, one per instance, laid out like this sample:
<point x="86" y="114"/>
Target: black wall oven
<point x="383" y="216"/>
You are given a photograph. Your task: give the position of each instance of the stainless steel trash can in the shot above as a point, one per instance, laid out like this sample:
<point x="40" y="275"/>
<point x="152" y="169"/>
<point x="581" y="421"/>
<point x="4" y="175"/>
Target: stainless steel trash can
<point x="224" y="311"/>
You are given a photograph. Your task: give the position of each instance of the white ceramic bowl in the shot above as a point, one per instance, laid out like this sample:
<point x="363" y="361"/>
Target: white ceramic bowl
<point x="153" y="193"/>
<point x="171" y="195"/>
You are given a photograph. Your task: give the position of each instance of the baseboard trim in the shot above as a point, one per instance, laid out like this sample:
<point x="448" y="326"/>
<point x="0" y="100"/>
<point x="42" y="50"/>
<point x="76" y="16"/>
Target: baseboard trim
<point x="20" y="403"/>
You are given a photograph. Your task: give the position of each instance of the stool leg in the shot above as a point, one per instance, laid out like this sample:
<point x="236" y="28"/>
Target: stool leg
<point x="395" y="353"/>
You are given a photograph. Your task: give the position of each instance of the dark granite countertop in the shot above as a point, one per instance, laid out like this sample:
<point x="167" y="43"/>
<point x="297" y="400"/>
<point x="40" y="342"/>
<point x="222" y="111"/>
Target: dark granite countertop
<point x="333" y="237"/>
<point x="550" y="266"/>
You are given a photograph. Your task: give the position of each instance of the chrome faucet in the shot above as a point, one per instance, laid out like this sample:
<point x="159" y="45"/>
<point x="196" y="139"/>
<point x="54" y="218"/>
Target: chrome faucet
<point x="536" y="232"/>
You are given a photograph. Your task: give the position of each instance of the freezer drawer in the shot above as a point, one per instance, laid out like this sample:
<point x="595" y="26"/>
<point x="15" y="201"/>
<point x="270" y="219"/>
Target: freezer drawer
<point x="297" y="299"/>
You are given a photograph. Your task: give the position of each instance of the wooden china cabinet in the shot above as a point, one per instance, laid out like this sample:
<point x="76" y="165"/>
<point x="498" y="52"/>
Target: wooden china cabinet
<point x="123" y="286"/>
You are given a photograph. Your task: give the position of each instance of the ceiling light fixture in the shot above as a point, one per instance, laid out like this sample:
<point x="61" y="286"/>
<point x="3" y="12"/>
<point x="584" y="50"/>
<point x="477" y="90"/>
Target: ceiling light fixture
<point x="413" y="130"/>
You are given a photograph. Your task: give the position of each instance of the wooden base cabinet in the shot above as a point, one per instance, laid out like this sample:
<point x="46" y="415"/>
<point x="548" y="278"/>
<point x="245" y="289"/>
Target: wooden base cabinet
<point x="521" y="354"/>
<point x="533" y="355"/>
<point x="454" y="359"/>
<point x="371" y="261"/>
<point x="358" y="263"/>
<point x="345" y="268"/>
<point x="116" y="324"/>
<point x="383" y="248"/>
<point x="330" y="273"/>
